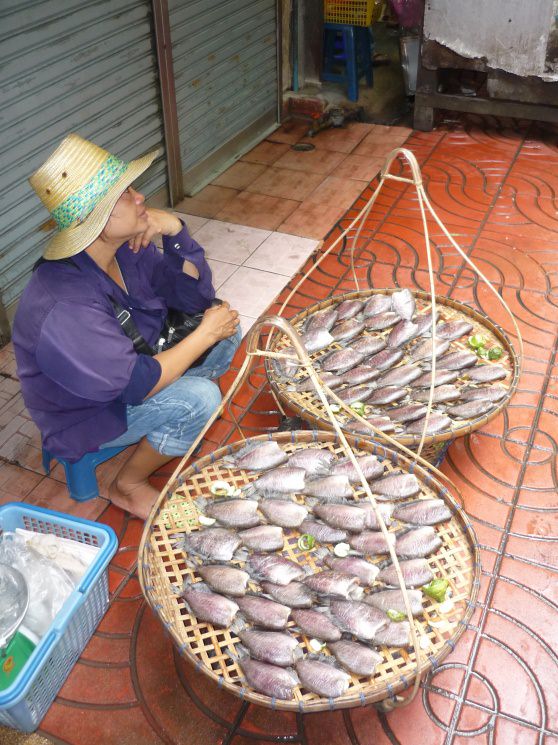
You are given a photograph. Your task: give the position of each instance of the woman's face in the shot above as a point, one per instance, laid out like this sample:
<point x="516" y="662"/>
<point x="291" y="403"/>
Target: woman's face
<point x="128" y="217"/>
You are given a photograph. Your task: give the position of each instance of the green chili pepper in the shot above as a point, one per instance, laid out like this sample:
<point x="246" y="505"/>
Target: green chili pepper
<point x="495" y="353"/>
<point x="396" y="615"/>
<point x="436" y="589"/>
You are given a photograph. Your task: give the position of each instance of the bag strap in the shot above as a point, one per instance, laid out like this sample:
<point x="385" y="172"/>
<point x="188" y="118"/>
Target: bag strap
<point x="128" y="326"/>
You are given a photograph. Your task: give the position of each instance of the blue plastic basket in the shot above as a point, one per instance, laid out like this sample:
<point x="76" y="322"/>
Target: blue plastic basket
<point x="26" y="701"/>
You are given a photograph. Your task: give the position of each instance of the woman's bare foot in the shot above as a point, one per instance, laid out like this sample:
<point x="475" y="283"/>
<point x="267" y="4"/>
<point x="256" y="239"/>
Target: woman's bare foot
<point x="138" y="499"/>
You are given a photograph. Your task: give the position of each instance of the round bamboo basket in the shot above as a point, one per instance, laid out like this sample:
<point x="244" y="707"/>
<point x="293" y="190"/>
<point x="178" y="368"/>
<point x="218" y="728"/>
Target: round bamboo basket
<point x="163" y="569"/>
<point x="309" y="407"/>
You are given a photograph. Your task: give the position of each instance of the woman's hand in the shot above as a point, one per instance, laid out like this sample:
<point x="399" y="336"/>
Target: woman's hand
<point x="159" y="222"/>
<point x="219" y="322"/>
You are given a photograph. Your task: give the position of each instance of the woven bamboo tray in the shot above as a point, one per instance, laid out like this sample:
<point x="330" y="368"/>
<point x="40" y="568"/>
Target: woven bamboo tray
<point x="309" y="407"/>
<point x="163" y="570"/>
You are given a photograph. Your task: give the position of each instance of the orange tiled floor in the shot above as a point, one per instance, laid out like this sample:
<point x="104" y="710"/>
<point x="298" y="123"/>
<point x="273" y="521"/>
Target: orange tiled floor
<point x="494" y="186"/>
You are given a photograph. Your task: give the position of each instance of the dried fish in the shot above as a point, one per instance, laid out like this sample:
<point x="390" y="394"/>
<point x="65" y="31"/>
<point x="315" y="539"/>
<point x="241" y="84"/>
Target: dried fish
<point x="276" y="569"/>
<point x="416" y="572"/>
<point x="341" y="360"/>
<point x="283" y="512"/>
<point x="348" y="309"/>
<point x="274" y="647"/>
<point x="386" y="395"/>
<point x="376" y="304"/>
<point x="315" y="461"/>
<point x="385" y="359"/>
<point x="322" y="319"/>
<point x="344" y="516"/>
<point x="423" y="350"/>
<point x="257" y="456"/>
<point x="453" y="330"/>
<point x="370" y="466"/>
<point x="329" y="487"/>
<point x="436" y="423"/>
<point x="396" y="486"/>
<point x="208" y="606"/>
<point x="385" y="510"/>
<point x="358" y="618"/>
<point x="232" y="513"/>
<point x="494" y="393"/>
<point x="424" y="323"/>
<point x="306" y="384"/>
<point x="214" y="544"/>
<point x="322" y="532"/>
<point x="225" y="579"/>
<point x="361" y="374"/>
<point x="295" y="594"/>
<point x="402" y="375"/>
<point x="487" y="373"/>
<point x="393" y="600"/>
<point x="423" y="512"/>
<point x="369" y="344"/>
<point x="457" y="360"/>
<point x="347" y="329"/>
<point x="263" y="538"/>
<point x="284" y="480"/>
<point x="383" y="423"/>
<point x="264" y="612"/>
<point x="271" y="680"/>
<point x="323" y="678"/>
<point x="331" y="584"/>
<point x="382" y="321"/>
<point x="394" y="635"/>
<point x="355" y="393"/>
<point x="402" y="333"/>
<point x="354" y="566"/>
<point x="371" y="542"/>
<point x="471" y="409"/>
<point x="355" y="657"/>
<point x="316" y="623"/>
<point x="403" y="303"/>
<point x="316" y="339"/>
<point x="440" y="378"/>
<point x="418" y="543"/>
<point x="441" y="393"/>
<point x="407" y="413"/>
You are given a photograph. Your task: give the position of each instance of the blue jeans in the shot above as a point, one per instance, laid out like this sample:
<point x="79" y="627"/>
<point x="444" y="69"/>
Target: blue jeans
<point x="173" y="418"/>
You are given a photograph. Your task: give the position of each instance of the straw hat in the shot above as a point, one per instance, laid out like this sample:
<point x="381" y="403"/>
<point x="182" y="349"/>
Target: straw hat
<point x="79" y="185"/>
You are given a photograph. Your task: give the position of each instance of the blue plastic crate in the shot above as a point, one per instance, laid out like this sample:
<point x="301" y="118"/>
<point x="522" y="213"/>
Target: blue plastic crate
<point x="26" y="701"/>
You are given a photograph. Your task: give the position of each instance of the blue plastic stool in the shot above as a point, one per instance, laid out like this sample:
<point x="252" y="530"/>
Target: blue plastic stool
<point x="80" y="476"/>
<point x="351" y="47"/>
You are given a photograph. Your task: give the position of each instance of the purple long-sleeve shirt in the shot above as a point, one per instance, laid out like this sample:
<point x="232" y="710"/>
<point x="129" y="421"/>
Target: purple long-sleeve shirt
<point x="78" y="369"/>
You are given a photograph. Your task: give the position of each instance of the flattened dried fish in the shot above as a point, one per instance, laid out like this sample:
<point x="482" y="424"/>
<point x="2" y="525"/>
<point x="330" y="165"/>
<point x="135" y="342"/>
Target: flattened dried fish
<point x="284" y="480"/>
<point x="424" y="322"/>
<point x="322" y="532"/>
<point x="441" y="378"/>
<point x="471" y="409"/>
<point x="316" y="623"/>
<point x="436" y="423"/>
<point x="369" y="344"/>
<point x="402" y="375"/>
<point x="257" y="456"/>
<point x="358" y="618"/>
<point x="271" y="646"/>
<point x="377" y="304"/>
<point x="283" y="512"/>
<point x="403" y="303"/>
<point x="276" y="569"/>
<point x="354" y="566"/>
<point x="347" y="329"/>
<point x="386" y="358"/>
<point x="361" y="374"/>
<point x="393" y="600"/>
<point x="423" y="350"/>
<point x="394" y="635"/>
<point x="264" y="612"/>
<point x="396" y="486"/>
<point x="383" y="423"/>
<point x="331" y="584"/>
<point x="263" y="538"/>
<point x="322" y="319"/>
<point x="453" y="330"/>
<point x="403" y="332"/>
<point x="306" y="384"/>
<point x="371" y="542"/>
<point x="494" y="394"/>
<point x="225" y="579"/>
<point x="341" y="360"/>
<point x="329" y="487"/>
<point x="355" y="657"/>
<point x="423" y="512"/>
<point x="382" y="321"/>
<point x="209" y="606"/>
<point x="487" y="373"/>
<point x="457" y="361"/>
<point x="344" y="516"/>
<point x="372" y="522"/>
<point x="316" y="339"/>
<point x="315" y="461"/>
<point x="271" y="680"/>
<point x="323" y="678"/>
<point x="348" y="309"/>
<point x="386" y="395"/>
<point x="407" y="413"/>
<point x="355" y="393"/>
<point x="418" y="543"/>
<point x="215" y="544"/>
<point x="416" y="572"/>
<point x="370" y="466"/>
<point x="232" y="513"/>
<point x="295" y="594"/>
<point x="441" y="393"/>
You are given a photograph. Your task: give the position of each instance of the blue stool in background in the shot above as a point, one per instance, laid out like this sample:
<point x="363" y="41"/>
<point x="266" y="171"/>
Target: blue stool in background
<point x="351" y="47"/>
<point x="80" y="476"/>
